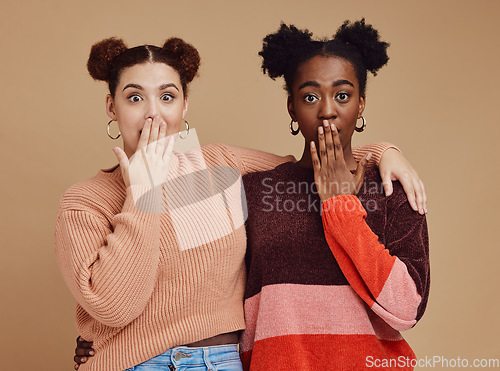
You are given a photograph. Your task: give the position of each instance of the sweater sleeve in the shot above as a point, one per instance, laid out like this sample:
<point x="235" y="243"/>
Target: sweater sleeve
<point x="252" y="160"/>
<point x="393" y="279"/>
<point x="111" y="269"/>
<point x="376" y="149"/>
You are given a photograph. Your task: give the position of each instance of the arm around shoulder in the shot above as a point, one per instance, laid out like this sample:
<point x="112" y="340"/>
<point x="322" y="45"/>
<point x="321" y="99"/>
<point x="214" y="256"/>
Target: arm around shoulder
<point x="252" y="160"/>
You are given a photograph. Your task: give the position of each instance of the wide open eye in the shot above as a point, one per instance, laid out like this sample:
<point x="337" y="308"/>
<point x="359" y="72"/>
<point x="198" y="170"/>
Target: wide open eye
<point x="134" y="98"/>
<point x="342" y="96"/>
<point x="167" y="97"/>
<point x="310" y="98"/>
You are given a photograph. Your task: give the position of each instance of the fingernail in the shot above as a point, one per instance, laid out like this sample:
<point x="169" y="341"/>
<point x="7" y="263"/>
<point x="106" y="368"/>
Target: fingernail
<point x="369" y="156"/>
<point x="325" y="122"/>
<point x="320" y="130"/>
<point x="91" y="352"/>
<point x="333" y="126"/>
<point x="313" y="145"/>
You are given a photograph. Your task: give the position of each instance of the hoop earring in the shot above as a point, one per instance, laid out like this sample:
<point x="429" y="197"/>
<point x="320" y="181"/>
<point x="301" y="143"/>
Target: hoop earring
<point x="360" y="129"/>
<point x="109" y="135"/>
<point x="187" y="130"/>
<point x="292" y="130"/>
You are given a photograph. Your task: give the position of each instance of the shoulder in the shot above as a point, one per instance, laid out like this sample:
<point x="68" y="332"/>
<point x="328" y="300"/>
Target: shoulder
<point x="398" y="196"/>
<point x="372" y="192"/>
<point x="228" y="151"/>
<point x="94" y="193"/>
<point x="219" y="154"/>
<point x="273" y="173"/>
<point x="266" y="177"/>
<point x="397" y="203"/>
<point x="373" y="185"/>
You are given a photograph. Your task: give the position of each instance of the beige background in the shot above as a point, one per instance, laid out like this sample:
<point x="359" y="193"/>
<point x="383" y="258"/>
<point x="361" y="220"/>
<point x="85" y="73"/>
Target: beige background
<point x="437" y="99"/>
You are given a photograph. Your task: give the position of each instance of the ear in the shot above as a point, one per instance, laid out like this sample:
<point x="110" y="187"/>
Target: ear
<point x="110" y="107"/>
<point x="291" y="108"/>
<point x="361" y="107"/>
<point x="185" y="110"/>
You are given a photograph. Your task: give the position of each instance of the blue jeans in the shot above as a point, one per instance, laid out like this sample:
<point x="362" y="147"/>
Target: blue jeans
<point x="214" y="358"/>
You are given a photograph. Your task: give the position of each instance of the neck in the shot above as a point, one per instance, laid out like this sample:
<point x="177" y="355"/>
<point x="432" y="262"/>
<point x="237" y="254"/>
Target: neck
<point x="306" y="160"/>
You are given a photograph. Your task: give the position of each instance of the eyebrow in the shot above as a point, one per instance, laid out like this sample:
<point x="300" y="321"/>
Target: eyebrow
<point x="309" y="83"/>
<point x="135" y="86"/>
<point x="168" y="85"/>
<point x="162" y="87"/>
<point x="342" y="82"/>
<point x="335" y="83"/>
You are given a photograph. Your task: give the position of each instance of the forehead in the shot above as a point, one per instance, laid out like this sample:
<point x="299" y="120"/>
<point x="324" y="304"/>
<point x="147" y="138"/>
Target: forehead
<point x="325" y="70"/>
<point x="149" y="74"/>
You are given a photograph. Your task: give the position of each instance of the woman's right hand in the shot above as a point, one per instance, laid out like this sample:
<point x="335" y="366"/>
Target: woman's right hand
<point x="149" y="164"/>
<point x="82" y="352"/>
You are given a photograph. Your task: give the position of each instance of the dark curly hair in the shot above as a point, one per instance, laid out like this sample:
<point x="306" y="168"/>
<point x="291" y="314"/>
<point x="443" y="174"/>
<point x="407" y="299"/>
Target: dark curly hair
<point x="285" y="50"/>
<point x="109" y="57"/>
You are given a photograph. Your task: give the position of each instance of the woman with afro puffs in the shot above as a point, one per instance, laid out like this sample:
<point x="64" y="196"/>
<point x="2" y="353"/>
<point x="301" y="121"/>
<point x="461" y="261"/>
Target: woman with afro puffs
<point x="335" y="268"/>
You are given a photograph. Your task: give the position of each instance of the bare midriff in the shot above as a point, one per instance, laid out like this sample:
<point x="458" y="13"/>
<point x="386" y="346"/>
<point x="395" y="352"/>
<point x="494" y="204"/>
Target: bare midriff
<point x="222" y="339"/>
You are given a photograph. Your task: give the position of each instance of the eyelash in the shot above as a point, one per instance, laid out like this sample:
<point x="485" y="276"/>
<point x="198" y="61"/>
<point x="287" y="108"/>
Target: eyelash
<point x="343" y="93"/>
<point x="310" y="95"/>
<point x="167" y="95"/>
<point x="130" y="98"/>
<point x="347" y="96"/>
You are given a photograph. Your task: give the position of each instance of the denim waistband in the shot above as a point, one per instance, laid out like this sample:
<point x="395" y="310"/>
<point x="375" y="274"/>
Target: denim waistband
<point x="183" y="356"/>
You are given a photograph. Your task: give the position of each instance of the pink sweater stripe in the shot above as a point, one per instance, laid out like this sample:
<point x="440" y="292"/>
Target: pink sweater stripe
<point x="335" y="310"/>
<point x="399" y="296"/>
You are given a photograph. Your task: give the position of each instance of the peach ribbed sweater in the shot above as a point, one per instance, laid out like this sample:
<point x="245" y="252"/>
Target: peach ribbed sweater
<point x="146" y="281"/>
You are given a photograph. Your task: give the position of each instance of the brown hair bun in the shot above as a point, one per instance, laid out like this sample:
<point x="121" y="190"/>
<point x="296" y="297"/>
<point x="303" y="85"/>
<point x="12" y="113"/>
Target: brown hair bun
<point x="101" y="55"/>
<point x="186" y="56"/>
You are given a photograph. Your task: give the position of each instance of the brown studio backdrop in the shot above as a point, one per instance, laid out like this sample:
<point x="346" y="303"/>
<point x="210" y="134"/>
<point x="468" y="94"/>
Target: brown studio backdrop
<point x="436" y="99"/>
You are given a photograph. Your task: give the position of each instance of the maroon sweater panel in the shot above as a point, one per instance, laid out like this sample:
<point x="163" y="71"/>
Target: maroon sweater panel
<point x="286" y="241"/>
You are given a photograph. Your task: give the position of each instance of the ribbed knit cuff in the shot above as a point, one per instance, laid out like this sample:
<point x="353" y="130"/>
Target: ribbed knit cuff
<point x="376" y="149"/>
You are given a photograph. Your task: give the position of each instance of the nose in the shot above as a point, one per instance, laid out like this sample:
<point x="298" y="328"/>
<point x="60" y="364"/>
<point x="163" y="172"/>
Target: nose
<point x="151" y="110"/>
<point x="327" y="110"/>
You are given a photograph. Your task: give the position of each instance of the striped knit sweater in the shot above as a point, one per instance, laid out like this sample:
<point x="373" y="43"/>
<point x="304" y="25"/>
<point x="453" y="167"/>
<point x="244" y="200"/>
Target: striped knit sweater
<point x="146" y="281"/>
<point x="331" y="289"/>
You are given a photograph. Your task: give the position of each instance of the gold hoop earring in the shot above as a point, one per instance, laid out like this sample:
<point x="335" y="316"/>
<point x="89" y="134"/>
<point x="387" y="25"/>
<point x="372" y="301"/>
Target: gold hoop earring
<point x="360" y="129"/>
<point x="187" y="131"/>
<point x="109" y="135"/>
<point x="292" y="130"/>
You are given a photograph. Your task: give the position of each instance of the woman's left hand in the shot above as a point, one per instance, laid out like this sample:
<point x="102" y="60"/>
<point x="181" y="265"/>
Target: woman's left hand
<point x="331" y="174"/>
<point x="393" y="166"/>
